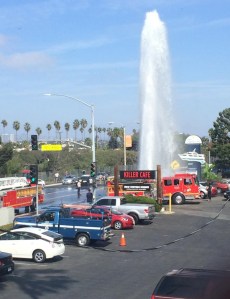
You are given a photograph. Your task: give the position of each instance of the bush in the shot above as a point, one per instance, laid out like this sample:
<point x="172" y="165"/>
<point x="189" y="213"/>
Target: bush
<point x="144" y="200"/>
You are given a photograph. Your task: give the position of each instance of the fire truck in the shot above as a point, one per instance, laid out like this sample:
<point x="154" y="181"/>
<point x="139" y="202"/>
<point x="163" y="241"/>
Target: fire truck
<point x="180" y="187"/>
<point x="22" y="198"/>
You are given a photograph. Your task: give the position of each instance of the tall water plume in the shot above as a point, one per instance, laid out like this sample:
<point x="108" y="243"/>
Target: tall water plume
<point x="156" y="126"/>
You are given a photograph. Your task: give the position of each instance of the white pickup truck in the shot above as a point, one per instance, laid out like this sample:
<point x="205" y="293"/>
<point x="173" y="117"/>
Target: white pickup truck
<point x="139" y="212"/>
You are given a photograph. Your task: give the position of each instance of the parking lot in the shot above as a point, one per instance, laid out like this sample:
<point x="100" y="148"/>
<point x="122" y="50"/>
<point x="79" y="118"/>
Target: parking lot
<point x="193" y="235"/>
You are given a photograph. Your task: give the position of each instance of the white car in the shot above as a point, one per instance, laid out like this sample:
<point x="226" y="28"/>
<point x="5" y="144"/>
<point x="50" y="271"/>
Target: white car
<point x="42" y="183"/>
<point x="32" y="243"/>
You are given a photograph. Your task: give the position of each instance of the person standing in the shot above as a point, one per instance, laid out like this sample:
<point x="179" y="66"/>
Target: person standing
<point x="78" y="188"/>
<point x="209" y="191"/>
<point x="89" y="196"/>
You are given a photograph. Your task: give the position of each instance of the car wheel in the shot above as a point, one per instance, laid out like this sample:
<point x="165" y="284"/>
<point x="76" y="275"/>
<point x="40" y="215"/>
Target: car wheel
<point x="178" y="199"/>
<point x="135" y="217"/>
<point x="202" y="195"/>
<point x="82" y="240"/>
<point x="117" y="225"/>
<point x="39" y="256"/>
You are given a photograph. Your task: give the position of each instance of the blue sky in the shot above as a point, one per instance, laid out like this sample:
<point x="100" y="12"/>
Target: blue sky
<point x="90" y="50"/>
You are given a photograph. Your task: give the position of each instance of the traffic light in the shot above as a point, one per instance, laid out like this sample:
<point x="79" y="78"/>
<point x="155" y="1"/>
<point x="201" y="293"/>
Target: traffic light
<point x="33" y="174"/>
<point x="93" y="170"/>
<point x="34" y="142"/>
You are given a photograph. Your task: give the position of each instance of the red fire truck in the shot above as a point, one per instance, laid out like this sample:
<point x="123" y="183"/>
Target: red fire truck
<point x="22" y="198"/>
<point x="180" y="187"/>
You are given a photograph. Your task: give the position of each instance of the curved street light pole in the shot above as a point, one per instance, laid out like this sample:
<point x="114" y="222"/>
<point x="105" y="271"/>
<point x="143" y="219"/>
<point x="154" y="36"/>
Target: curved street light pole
<point x="92" y="118"/>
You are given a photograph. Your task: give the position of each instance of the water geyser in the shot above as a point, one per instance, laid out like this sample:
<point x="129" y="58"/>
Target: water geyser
<point x="156" y="125"/>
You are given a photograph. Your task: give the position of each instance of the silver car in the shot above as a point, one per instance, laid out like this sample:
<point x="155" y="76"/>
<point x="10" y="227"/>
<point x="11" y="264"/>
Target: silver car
<point x="68" y="180"/>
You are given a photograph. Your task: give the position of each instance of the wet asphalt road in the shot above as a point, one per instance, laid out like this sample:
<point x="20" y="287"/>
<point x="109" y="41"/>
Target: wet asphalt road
<point x="195" y="235"/>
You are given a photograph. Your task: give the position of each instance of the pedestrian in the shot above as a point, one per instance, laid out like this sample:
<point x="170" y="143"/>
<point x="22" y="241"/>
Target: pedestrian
<point x="209" y="191"/>
<point x="89" y="196"/>
<point x="79" y="188"/>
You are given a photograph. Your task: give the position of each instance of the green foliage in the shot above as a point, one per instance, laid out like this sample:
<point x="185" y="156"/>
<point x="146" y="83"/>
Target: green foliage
<point x="6" y="154"/>
<point x="220" y="140"/>
<point x="208" y="174"/>
<point x="144" y="200"/>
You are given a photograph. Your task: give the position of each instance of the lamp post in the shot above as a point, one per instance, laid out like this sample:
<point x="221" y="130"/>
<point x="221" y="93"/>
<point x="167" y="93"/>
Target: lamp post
<point x="124" y="137"/>
<point x="92" y="118"/>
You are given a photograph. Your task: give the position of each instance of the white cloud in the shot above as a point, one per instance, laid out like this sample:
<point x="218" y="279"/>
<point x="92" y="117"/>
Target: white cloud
<point x="26" y="60"/>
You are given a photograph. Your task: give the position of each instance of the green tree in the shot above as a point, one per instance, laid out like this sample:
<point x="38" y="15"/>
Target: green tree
<point x="27" y="128"/>
<point x="4" y="124"/>
<point x="57" y="126"/>
<point x="83" y="124"/>
<point x="38" y="131"/>
<point x="76" y="125"/>
<point x="67" y="127"/>
<point x="16" y="127"/>
<point x="220" y="142"/>
<point x="49" y="127"/>
<point x="6" y="154"/>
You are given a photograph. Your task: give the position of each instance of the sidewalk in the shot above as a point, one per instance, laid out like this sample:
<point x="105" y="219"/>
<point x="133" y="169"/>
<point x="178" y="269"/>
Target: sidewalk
<point x="203" y="208"/>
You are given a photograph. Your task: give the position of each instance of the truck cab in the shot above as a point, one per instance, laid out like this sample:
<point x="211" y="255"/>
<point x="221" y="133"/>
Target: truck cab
<point x="180" y="187"/>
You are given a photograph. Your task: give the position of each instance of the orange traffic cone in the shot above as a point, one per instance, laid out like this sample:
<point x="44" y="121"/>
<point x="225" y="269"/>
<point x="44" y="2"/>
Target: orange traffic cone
<point x="122" y="240"/>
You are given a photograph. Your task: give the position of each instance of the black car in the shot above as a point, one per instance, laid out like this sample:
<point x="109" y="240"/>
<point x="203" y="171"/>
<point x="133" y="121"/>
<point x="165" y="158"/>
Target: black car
<point x="193" y="284"/>
<point x="6" y="263"/>
<point x="227" y="195"/>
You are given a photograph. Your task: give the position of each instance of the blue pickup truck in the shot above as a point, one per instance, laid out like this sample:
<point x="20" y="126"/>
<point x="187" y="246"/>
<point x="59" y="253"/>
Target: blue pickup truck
<point x="58" y="219"/>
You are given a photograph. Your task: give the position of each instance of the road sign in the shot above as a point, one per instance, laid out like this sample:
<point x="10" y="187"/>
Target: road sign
<point x="51" y="147"/>
<point x="137" y="174"/>
<point x="175" y="164"/>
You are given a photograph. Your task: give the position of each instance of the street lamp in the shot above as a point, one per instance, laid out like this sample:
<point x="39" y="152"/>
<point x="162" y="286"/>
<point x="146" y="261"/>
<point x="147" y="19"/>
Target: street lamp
<point x="92" y="118"/>
<point x="124" y="137"/>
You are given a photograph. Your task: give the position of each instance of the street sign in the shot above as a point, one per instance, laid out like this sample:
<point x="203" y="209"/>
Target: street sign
<point x="137" y="174"/>
<point x="137" y="187"/>
<point x="51" y="147"/>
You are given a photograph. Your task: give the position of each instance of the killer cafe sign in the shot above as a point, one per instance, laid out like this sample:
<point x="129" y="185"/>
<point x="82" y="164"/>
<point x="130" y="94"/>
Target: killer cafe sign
<point x="137" y="174"/>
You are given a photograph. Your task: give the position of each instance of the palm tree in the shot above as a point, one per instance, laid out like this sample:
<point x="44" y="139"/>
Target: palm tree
<point x="39" y="131"/>
<point x="16" y="127"/>
<point x="83" y="124"/>
<point x="27" y="128"/>
<point x="57" y="127"/>
<point x="4" y="124"/>
<point x="67" y="127"/>
<point x="76" y="125"/>
<point x="49" y="127"/>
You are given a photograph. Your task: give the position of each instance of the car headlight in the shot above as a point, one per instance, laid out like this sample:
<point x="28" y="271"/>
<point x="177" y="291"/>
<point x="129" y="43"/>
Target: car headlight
<point x="125" y="219"/>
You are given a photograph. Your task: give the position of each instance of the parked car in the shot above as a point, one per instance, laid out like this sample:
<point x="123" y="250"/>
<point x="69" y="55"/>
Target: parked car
<point x="42" y="183"/>
<point x="32" y="243"/>
<point x="220" y="186"/>
<point x="205" y="185"/>
<point x="6" y="263"/>
<point x="226" y="181"/>
<point x="68" y="180"/>
<point x="227" y="195"/>
<point x="193" y="283"/>
<point x="86" y="180"/>
<point x="118" y="219"/>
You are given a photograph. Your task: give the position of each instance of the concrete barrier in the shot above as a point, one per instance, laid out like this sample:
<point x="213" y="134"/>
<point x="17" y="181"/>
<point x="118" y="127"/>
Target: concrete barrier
<point x="6" y="215"/>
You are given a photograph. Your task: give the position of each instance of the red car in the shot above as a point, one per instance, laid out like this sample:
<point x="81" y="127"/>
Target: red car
<point x="118" y="220"/>
<point x="220" y="186"/>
